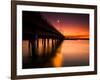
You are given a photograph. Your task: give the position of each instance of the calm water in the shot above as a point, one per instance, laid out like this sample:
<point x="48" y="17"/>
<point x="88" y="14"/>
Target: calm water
<point x="52" y="53"/>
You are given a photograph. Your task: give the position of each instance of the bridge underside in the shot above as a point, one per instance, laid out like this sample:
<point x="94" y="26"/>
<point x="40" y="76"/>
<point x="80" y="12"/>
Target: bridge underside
<point x="35" y="26"/>
<point x="39" y="37"/>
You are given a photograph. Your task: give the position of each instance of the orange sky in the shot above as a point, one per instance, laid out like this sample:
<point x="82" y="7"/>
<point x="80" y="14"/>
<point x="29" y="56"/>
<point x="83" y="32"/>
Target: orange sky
<point x="69" y="24"/>
<point x="70" y="31"/>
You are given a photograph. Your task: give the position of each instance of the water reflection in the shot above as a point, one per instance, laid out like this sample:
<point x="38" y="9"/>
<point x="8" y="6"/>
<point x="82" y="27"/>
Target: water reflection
<point x="39" y="53"/>
<point x="75" y="52"/>
<point x="43" y="53"/>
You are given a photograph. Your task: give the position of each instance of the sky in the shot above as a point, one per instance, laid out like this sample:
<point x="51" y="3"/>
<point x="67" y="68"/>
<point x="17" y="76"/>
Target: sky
<point x="69" y="24"/>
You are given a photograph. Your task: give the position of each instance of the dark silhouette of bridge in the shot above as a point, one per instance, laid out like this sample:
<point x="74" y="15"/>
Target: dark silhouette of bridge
<point x="36" y="27"/>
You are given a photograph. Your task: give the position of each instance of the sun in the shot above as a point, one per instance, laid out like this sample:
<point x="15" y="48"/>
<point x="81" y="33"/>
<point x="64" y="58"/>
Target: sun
<point x="58" y="21"/>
